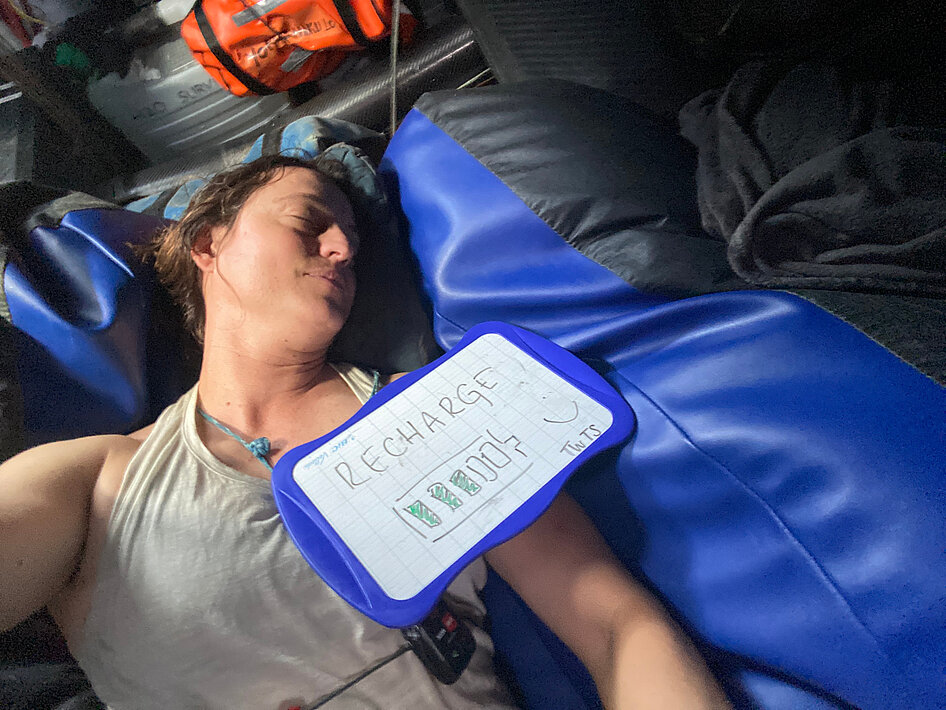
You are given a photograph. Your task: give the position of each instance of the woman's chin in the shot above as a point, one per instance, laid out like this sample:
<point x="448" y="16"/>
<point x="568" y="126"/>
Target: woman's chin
<point x="318" y="325"/>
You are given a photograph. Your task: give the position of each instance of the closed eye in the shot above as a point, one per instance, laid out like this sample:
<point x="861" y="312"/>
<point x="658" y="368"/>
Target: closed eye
<point x="312" y="221"/>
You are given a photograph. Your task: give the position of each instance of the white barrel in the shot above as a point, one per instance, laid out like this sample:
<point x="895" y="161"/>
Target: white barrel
<point x="169" y="106"/>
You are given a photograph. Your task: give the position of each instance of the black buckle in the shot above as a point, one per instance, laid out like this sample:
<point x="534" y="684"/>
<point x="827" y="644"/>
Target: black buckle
<point x="443" y="643"/>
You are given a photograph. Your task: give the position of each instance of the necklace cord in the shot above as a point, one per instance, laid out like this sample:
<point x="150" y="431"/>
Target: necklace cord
<point x="260" y="447"/>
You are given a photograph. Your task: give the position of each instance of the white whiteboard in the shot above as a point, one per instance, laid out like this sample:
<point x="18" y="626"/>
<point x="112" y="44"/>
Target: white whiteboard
<point x="419" y="481"/>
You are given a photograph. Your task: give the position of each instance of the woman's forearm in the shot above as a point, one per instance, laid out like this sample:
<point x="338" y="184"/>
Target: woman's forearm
<point x="650" y="662"/>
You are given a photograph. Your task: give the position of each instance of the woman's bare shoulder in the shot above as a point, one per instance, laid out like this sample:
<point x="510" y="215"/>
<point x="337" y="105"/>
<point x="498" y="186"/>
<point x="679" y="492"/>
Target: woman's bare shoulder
<point x="84" y="456"/>
<point x="141" y="434"/>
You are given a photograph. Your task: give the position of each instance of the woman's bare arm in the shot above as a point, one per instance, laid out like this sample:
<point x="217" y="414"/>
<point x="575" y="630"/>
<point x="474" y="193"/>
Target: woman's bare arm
<point x="638" y="657"/>
<point x="45" y="496"/>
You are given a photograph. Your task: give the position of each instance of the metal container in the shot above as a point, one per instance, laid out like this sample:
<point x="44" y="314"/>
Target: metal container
<point x="169" y="106"/>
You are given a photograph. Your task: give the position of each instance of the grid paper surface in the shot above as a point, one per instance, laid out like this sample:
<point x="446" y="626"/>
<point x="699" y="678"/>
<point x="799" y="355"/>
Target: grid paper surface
<point x="419" y="481"/>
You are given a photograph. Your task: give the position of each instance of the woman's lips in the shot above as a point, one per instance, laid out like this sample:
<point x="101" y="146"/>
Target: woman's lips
<point x="332" y="277"/>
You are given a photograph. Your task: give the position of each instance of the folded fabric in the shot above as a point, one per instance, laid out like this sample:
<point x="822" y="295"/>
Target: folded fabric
<point x="820" y="179"/>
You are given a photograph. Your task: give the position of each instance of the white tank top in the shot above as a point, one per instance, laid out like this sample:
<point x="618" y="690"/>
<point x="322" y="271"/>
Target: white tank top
<point x="203" y="601"/>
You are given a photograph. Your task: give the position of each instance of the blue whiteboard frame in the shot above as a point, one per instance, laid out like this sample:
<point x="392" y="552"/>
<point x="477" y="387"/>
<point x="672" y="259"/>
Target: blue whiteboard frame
<point x="330" y="557"/>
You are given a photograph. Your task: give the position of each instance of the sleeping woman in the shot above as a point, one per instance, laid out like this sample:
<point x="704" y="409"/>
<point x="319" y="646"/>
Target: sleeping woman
<point x="161" y="554"/>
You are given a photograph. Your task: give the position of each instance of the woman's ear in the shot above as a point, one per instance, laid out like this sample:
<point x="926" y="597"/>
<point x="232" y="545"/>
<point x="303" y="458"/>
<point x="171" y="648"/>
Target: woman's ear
<point x="204" y="251"/>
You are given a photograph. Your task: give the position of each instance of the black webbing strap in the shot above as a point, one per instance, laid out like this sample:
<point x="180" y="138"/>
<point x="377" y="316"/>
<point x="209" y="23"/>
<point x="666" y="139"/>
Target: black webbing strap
<point x="156" y="208"/>
<point x="225" y="59"/>
<point x="350" y="20"/>
<point x="272" y="142"/>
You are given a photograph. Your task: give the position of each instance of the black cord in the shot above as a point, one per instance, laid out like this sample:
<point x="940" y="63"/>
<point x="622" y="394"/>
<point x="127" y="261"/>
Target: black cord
<point x="364" y="674"/>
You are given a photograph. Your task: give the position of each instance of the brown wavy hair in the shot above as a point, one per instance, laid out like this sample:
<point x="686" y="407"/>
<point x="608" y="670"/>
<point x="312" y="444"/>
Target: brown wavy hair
<point x="217" y="204"/>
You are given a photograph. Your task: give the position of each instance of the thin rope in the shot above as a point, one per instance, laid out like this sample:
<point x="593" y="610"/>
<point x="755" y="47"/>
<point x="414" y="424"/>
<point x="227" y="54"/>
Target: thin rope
<point x="22" y="15"/>
<point x="395" y="32"/>
<point x="260" y="447"/>
<point x="377" y="383"/>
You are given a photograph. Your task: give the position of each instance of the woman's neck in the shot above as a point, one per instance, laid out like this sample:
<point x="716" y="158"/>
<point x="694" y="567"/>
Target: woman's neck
<point x="256" y="389"/>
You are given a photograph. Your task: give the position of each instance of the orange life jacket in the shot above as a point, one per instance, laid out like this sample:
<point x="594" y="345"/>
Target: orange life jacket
<point x="268" y="46"/>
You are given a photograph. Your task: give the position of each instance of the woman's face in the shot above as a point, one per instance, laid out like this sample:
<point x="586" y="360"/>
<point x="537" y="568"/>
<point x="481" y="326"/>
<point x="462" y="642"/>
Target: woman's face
<point x="284" y="267"/>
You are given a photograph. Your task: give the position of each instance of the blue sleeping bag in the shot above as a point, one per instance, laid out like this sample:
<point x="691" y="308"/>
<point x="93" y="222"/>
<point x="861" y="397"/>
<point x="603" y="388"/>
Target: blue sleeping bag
<point x="786" y="481"/>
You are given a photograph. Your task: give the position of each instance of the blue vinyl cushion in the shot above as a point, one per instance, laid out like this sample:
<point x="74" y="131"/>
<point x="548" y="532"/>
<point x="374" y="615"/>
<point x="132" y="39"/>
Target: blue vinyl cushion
<point x="787" y="475"/>
<point x="81" y="314"/>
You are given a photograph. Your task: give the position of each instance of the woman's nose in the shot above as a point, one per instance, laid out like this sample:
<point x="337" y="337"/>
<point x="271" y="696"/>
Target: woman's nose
<point x="334" y="245"/>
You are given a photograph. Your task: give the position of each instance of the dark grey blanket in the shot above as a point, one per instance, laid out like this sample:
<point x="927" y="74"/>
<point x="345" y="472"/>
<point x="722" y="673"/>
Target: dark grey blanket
<point x="818" y="179"/>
